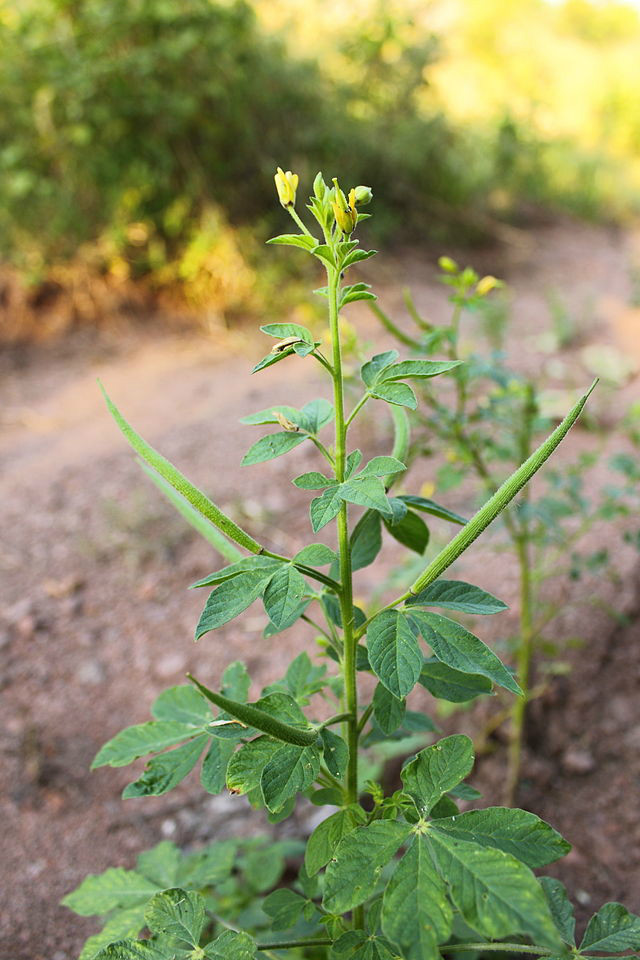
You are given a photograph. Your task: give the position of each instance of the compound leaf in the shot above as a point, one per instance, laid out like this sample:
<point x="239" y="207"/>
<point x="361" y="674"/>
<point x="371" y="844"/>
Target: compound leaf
<point x="182" y="704"/>
<point x="143" y="738"/>
<point x="114" y="889"/>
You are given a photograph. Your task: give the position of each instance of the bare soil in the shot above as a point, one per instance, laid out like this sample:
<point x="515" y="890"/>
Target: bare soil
<point x="95" y="619"/>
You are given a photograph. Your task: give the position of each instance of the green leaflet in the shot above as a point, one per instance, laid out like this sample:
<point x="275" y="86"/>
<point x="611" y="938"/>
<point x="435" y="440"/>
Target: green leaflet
<point x="445" y="683"/>
<point x="417" y="369"/>
<point x="496" y="894"/>
<point x="432" y="508"/>
<point x="253" y="716"/>
<point x="115" y="888"/>
<point x="208" y="867"/>
<point x="268" y="415"/>
<point x="382" y="467"/>
<point x="522" y="834"/>
<point x="143" y="738"/>
<point x="457" y="595"/>
<point x="246" y="765"/>
<point x="316" y="555"/>
<point x="400" y="394"/>
<point x="366" y="540"/>
<point x="612" y="929"/>
<point x="160" y="863"/>
<point x="411" y="531"/>
<point x="291" y="240"/>
<point x="394" y="653"/>
<point x="178" y="914"/>
<point x="231" y="598"/>
<point x="283" y="595"/>
<point x="284" y="907"/>
<point x="313" y="481"/>
<point x="164" y="772"/>
<point x="561" y="908"/>
<point x="231" y="946"/>
<point x="438" y="769"/>
<point x="370" y="370"/>
<point x="182" y="704"/>
<point x="358" y="945"/>
<point x="388" y="710"/>
<point x="462" y="650"/>
<point x="123" y="924"/>
<point x="366" y="492"/>
<point x="416" y="913"/>
<point x="326" y="836"/>
<point x="280" y="331"/>
<point x="354" y="871"/>
<point x="136" y="950"/>
<point x="246" y="565"/>
<point x="325" y="507"/>
<point x="290" y="770"/>
<point x="272" y="446"/>
<point x="192" y="494"/>
<point x="335" y="752"/>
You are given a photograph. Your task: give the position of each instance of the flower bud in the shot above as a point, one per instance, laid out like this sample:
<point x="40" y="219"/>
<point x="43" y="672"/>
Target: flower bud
<point x="486" y="285"/>
<point x="286" y="185"/>
<point x="345" y="212"/>
<point x="448" y="265"/>
<point x="363" y="195"/>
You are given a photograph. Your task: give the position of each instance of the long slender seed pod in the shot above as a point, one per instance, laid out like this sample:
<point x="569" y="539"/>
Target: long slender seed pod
<point x="196" y="497"/>
<point x="255" y="717"/>
<point x="401" y="436"/>
<point x="503" y="496"/>
<point x="204" y="527"/>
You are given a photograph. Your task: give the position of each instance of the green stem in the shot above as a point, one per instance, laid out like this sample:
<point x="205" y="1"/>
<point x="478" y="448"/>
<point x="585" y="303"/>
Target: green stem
<point x="389" y="325"/>
<point x="356" y="410"/>
<point x="346" y="594"/>
<point x="498" y="947"/>
<point x="323" y="450"/>
<point x="292" y="944"/>
<point x="338" y="717"/>
<point x="297" y="219"/>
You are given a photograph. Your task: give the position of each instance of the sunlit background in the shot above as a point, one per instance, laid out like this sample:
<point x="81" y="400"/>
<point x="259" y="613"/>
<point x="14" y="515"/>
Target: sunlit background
<point x="138" y="138"/>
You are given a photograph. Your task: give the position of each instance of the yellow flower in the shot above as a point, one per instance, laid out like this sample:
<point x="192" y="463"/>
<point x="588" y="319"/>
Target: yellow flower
<point x="486" y="285"/>
<point x="286" y="185"/>
<point x="345" y="212"/>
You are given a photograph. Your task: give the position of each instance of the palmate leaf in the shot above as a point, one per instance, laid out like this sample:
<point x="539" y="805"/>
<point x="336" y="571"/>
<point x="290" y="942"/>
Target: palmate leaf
<point x="394" y="653"/>
<point x="496" y="894"/>
<point x="327" y="835"/>
<point x="460" y="649"/>
<point x="518" y="832"/>
<point x="438" y="769"/>
<point x="353" y="873"/>
<point x="457" y="595"/>
<point x="416" y="913"/>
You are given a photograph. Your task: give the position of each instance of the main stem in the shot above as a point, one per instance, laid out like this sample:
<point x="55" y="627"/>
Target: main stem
<point x="346" y="592"/>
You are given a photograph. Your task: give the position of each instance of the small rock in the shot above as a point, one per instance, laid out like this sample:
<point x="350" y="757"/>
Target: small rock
<point x="168" y="827"/>
<point x="578" y="761"/>
<point x="26" y="627"/>
<point x="90" y="673"/>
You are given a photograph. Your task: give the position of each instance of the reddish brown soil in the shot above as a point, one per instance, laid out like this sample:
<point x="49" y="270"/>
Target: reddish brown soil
<point x="95" y="619"/>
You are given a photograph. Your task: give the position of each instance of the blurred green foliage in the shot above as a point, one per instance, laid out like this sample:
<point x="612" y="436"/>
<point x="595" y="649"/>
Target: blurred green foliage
<point x="137" y="136"/>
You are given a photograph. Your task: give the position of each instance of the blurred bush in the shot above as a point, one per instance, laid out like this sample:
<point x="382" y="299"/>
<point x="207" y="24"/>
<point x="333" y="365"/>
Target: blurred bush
<point x="138" y="140"/>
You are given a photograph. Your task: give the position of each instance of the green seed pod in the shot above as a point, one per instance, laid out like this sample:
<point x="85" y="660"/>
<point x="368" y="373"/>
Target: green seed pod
<point x="254" y="717"/>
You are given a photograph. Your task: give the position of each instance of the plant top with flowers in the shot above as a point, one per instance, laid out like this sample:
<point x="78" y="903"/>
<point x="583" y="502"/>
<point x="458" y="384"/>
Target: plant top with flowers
<point x="405" y="875"/>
